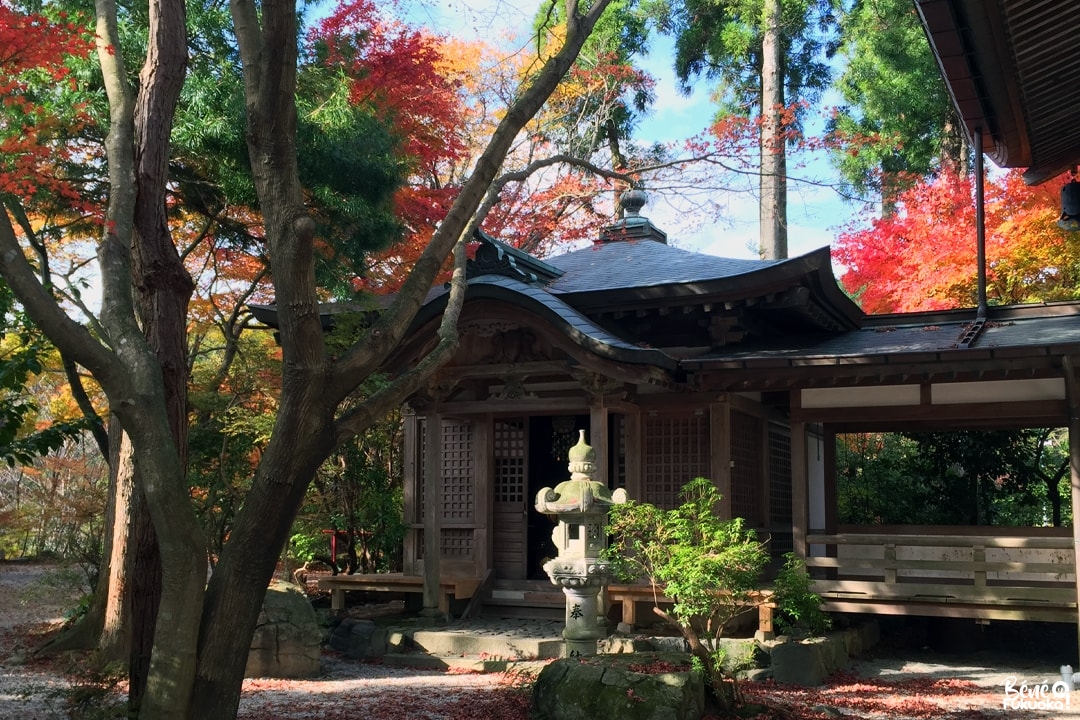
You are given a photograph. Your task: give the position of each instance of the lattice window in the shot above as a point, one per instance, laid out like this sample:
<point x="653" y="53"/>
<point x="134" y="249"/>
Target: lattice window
<point x="509" y="452"/>
<point x="456" y="543"/>
<point x="457" y="470"/>
<point x="779" y="475"/>
<point x="676" y="452"/>
<point x="747" y="475"/>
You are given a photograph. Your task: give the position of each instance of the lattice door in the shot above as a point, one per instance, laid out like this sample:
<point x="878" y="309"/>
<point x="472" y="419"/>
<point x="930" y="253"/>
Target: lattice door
<point x="456" y="469"/>
<point x="511" y="484"/>
<point x="747" y="475"/>
<point x="780" y="488"/>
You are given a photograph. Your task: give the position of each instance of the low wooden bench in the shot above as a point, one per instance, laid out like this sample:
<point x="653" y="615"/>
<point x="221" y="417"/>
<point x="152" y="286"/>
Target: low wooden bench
<point x="630" y="595"/>
<point x="450" y="588"/>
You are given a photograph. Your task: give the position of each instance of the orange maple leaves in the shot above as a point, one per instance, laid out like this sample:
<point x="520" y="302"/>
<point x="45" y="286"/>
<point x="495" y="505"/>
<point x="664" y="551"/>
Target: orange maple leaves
<point x="923" y="257"/>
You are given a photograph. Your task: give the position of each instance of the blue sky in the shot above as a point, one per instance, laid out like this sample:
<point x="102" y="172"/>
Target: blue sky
<point x="814" y="213"/>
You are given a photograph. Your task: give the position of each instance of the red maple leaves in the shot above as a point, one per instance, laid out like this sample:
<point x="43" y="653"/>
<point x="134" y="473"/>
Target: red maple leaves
<point x="37" y="51"/>
<point x="923" y="257"/>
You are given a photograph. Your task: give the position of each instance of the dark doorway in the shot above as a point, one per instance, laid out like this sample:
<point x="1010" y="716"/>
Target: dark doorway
<point x="550" y="438"/>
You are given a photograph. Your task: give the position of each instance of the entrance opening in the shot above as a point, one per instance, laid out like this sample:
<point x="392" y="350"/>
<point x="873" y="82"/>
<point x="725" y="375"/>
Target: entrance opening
<point x="550" y="438"/>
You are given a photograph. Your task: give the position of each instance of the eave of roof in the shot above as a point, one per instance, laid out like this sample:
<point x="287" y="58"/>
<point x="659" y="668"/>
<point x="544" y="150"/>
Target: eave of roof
<point x="1011" y="332"/>
<point x="537" y="300"/>
<point x="1012" y="71"/>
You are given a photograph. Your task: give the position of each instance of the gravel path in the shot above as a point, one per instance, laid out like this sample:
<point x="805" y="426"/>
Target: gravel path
<point x="34" y="598"/>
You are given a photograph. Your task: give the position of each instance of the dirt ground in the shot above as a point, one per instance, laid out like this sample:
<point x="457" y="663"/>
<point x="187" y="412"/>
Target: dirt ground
<point x="922" y="670"/>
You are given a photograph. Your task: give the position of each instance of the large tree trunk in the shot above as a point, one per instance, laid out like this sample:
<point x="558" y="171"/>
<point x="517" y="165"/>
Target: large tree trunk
<point x="106" y="624"/>
<point x="163" y="289"/>
<point x="773" y="185"/>
<point x="313" y="385"/>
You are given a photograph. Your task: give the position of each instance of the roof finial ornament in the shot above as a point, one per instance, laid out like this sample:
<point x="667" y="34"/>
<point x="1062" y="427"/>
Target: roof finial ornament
<point x="632" y="201"/>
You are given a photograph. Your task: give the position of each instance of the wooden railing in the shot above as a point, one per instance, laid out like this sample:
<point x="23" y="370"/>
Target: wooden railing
<point x="961" y="572"/>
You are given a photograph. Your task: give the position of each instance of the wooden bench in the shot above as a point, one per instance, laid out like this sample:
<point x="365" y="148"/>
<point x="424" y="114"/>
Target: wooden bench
<point x="450" y="588"/>
<point x="630" y="595"/>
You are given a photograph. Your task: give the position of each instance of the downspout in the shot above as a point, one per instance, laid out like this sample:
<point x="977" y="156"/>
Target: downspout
<point x="980" y="223"/>
<point x="971" y="331"/>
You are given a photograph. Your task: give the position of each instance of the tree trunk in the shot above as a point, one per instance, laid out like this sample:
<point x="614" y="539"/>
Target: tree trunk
<point x="115" y="640"/>
<point x="773" y="183"/>
<point x="105" y="624"/>
<point x="313" y="385"/>
<point x="163" y="289"/>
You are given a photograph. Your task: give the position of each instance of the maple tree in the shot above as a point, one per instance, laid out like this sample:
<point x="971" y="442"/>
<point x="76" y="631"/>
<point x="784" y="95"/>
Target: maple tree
<point x="923" y="256"/>
<point x="201" y="633"/>
<point x="34" y="126"/>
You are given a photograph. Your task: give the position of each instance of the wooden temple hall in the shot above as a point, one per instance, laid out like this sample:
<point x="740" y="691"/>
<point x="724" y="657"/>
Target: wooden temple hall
<point x="680" y="365"/>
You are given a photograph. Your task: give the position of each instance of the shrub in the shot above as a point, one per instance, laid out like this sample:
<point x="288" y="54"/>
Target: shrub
<point x="707" y="565"/>
<point x="797" y="606"/>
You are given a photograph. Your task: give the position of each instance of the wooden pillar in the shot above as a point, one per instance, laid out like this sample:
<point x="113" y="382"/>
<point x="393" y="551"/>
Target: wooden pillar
<point x="720" y="455"/>
<point x="800" y="506"/>
<point x="1072" y="395"/>
<point x="432" y="511"/>
<point x="411" y="492"/>
<point x="832" y="505"/>
<point x="483" y="492"/>
<point x="598" y="437"/>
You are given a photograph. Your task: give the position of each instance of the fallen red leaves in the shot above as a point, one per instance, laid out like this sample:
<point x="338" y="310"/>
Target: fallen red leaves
<point x="918" y="698"/>
<point x="657" y="667"/>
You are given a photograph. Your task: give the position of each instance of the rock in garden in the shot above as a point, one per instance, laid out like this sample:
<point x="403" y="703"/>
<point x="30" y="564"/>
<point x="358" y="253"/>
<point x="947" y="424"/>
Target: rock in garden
<point x="287" y="637"/>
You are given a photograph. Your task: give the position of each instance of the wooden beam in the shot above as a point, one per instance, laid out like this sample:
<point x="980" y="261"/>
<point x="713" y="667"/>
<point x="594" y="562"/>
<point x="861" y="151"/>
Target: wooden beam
<point x="1034" y="413"/>
<point x="720" y="457"/>
<point x="522" y="406"/>
<point x="522" y="369"/>
<point x="1072" y="395"/>
<point x="432" y="512"/>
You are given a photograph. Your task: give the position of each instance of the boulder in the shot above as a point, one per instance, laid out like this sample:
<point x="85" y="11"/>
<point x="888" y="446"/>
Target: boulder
<point x="359" y="639"/>
<point x="799" y="663"/>
<point x="637" y="686"/>
<point x="287" y="641"/>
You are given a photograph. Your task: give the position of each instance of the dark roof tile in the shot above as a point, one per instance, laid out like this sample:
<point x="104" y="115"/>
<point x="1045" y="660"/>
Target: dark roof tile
<point x="633" y="264"/>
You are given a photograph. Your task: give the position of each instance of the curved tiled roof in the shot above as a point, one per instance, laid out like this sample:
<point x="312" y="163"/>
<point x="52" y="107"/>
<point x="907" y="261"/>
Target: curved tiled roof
<point x="584" y="332"/>
<point x="644" y="263"/>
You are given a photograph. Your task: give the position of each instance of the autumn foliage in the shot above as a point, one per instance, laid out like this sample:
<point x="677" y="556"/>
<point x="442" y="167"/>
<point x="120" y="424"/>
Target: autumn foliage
<point x="923" y="257"/>
<point x="36" y="50"/>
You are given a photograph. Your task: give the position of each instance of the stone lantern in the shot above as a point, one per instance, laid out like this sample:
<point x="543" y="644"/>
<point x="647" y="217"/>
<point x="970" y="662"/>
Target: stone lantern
<point x="580" y="508"/>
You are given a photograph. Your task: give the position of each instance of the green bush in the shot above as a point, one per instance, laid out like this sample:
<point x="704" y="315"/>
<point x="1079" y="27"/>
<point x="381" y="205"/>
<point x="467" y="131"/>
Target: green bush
<point x="797" y="606"/>
<point x="708" y="566"/>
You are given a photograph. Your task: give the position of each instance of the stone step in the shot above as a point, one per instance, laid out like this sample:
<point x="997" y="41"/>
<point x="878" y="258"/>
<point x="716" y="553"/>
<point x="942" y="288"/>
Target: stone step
<point x="466" y="663"/>
<point x="440" y="643"/>
<point x="540" y="598"/>
<point x="524" y="612"/>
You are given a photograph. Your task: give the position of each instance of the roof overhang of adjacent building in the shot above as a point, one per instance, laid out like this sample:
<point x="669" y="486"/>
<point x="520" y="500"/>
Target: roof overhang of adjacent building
<point x="1012" y="71"/>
